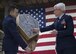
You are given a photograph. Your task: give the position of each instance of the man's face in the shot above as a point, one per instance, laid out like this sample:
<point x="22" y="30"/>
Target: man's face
<point x="15" y="12"/>
<point x="57" y="12"/>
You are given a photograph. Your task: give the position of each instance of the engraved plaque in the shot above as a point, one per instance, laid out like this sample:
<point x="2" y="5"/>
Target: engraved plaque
<point x="25" y="24"/>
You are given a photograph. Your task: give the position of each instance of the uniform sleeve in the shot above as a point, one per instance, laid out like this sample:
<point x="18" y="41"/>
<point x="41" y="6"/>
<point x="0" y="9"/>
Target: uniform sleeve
<point x="69" y="27"/>
<point x="48" y="28"/>
<point x="12" y="28"/>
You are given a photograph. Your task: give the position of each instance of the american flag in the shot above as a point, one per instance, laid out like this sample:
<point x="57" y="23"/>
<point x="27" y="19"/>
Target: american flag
<point x="45" y="17"/>
<point x="37" y="13"/>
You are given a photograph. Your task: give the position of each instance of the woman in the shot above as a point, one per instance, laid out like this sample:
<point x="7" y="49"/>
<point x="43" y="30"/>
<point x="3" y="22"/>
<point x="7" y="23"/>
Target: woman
<point x="63" y="28"/>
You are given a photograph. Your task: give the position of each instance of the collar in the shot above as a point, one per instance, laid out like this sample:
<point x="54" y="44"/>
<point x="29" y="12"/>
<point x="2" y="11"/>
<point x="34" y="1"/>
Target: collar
<point x="61" y="15"/>
<point x="12" y="17"/>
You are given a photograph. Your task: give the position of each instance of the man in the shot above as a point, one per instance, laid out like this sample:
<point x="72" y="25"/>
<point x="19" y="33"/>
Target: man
<point x="12" y="38"/>
<point x="63" y="28"/>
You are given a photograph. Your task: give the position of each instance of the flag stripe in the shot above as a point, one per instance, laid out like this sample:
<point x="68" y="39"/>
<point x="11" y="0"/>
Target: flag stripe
<point x="46" y="36"/>
<point x="46" y="43"/>
<point x="45" y="52"/>
<point x="42" y="48"/>
<point x="50" y="39"/>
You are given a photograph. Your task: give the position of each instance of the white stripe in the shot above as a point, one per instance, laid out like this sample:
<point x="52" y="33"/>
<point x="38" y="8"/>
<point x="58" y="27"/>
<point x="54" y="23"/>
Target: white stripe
<point x="74" y="21"/>
<point x="43" y="48"/>
<point x="50" y="39"/>
<point x="50" y="16"/>
<point x="49" y="9"/>
<point x="53" y="16"/>
<point x="74" y="29"/>
<point x="49" y="23"/>
<point x="67" y="8"/>
<point x="71" y="7"/>
<point x="72" y="14"/>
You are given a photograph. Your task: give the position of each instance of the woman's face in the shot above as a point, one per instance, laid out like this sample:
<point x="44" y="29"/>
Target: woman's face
<point x="58" y="12"/>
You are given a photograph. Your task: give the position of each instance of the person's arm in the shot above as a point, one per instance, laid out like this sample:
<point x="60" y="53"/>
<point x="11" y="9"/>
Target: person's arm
<point x="12" y="28"/>
<point x="48" y="28"/>
<point x="69" y="27"/>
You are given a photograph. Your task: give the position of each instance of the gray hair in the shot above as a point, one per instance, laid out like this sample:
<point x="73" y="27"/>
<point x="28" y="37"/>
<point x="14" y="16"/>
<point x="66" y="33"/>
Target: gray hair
<point x="60" y="6"/>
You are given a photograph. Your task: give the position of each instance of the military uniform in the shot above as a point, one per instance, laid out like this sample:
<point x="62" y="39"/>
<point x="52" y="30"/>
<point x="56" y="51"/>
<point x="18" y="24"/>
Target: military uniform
<point x="65" y="40"/>
<point x="12" y="39"/>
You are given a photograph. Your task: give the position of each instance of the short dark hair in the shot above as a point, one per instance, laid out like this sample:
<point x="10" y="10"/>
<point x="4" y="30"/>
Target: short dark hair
<point x="11" y="8"/>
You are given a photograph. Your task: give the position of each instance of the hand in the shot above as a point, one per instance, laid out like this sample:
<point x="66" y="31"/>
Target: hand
<point x="28" y="50"/>
<point x="55" y="32"/>
<point x="36" y="30"/>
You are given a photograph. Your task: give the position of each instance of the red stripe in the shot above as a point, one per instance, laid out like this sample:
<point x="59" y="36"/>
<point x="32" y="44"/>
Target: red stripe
<point x="53" y="19"/>
<point x="46" y="36"/>
<point x="67" y="11"/>
<point x="50" y="12"/>
<point x="50" y="20"/>
<point x="70" y="3"/>
<point x="46" y="44"/>
<point x="74" y="26"/>
<point x="45" y="52"/>
<point x="74" y="33"/>
<point x="71" y="11"/>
